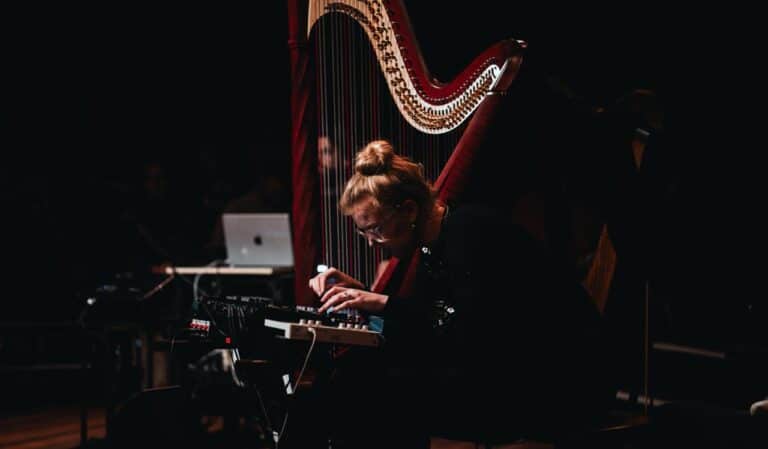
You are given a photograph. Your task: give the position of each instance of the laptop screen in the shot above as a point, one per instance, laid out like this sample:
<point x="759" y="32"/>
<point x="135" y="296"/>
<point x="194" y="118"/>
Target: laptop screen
<point x="261" y="240"/>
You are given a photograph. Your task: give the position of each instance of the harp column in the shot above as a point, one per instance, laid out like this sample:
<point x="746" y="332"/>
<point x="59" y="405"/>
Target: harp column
<point x="305" y="207"/>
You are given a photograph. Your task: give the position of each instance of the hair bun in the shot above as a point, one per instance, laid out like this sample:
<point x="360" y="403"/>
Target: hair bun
<point x="375" y="158"/>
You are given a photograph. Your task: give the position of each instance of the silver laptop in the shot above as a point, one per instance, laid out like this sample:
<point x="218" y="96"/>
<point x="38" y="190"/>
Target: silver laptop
<point x="258" y="240"/>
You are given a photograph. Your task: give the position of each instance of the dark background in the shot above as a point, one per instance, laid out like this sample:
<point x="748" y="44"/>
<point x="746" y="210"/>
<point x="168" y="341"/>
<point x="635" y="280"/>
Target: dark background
<point x="127" y="129"/>
<point x="201" y="95"/>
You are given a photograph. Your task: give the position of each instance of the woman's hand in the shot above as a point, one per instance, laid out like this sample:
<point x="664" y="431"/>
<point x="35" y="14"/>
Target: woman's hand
<point x="320" y="283"/>
<point x="338" y="298"/>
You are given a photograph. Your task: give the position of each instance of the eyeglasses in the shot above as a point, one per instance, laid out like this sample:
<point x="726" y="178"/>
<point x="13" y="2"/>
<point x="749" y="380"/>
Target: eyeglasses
<point x="374" y="232"/>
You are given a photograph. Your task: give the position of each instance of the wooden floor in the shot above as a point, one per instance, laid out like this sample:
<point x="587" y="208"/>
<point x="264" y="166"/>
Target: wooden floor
<point x="58" y="427"/>
<point x="52" y="427"/>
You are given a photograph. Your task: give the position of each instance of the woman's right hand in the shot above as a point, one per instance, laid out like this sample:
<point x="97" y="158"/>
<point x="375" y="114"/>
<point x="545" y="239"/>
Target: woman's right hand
<point x="330" y="277"/>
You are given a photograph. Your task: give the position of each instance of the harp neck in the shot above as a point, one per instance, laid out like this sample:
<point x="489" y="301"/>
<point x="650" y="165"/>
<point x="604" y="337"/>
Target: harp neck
<point x="428" y="105"/>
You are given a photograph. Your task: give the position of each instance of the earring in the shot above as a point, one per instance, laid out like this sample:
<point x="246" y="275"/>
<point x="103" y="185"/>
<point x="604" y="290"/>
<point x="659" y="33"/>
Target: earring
<point x="413" y="225"/>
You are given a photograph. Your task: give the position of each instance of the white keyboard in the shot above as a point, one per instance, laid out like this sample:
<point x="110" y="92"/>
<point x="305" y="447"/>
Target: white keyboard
<point x="354" y="336"/>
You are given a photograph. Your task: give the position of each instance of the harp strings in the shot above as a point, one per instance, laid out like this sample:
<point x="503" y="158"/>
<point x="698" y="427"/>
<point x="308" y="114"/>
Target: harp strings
<point x="354" y="107"/>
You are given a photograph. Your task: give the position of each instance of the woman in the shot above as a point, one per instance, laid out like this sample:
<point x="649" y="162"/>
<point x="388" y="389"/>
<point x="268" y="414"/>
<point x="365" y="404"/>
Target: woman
<point x="393" y="206"/>
<point x="492" y="324"/>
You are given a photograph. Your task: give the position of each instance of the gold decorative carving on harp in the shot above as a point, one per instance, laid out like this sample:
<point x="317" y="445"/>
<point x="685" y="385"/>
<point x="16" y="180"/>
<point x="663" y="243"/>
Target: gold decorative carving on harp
<point x="358" y="75"/>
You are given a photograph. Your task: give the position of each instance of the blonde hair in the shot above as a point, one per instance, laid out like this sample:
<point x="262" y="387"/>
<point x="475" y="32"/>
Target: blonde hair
<point x="388" y="178"/>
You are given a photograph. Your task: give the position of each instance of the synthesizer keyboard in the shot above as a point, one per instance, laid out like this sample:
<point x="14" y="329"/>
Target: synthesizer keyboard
<point x="241" y="319"/>
<point x="343" y="334"/>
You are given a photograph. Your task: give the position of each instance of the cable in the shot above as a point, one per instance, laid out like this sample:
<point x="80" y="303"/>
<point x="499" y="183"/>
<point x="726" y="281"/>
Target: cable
<point x="296" y="385"/>
<point x="158" y="287"/>
<point x="196" y="290"/>
<point x="196" y="281"/>
<point x="264" y="412"/>
<point x="306" y="359"/>
<point x="213" y="320"/>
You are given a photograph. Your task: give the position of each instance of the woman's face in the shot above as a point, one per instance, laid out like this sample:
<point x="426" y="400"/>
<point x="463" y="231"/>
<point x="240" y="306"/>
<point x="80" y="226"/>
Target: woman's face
<point x="388" y="227"/>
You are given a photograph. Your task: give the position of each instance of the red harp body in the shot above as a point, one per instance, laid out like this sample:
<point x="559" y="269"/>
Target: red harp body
<point x="358" y="75"/>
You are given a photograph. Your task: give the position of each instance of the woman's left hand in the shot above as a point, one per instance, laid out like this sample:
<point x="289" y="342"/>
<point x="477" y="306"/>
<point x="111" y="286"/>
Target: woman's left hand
<point x="338" y="298"/>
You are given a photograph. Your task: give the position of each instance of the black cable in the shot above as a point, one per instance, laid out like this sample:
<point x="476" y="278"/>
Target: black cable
<point x="210" y="316"/>
<point x="268" y="421"/>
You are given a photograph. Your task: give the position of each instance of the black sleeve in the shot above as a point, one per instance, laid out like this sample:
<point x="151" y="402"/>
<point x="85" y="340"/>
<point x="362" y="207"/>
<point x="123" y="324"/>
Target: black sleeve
<point x="514" y="304"/>
<point x="406" y="319"/>
<point x="397" y="307"/>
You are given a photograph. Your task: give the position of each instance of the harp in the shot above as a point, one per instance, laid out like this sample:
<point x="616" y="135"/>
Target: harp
<point x="357" y="75"/>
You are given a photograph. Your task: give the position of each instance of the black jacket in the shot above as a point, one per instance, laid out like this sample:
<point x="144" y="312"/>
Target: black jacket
<point x="494" y="324"/>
